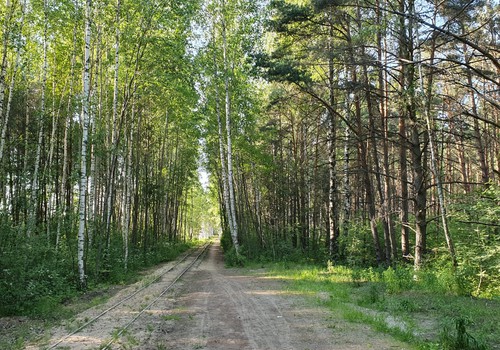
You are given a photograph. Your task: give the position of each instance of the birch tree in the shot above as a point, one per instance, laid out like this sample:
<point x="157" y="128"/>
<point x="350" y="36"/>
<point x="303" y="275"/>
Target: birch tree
<point x="84" y="146"/>
<point x="227" y="100"/>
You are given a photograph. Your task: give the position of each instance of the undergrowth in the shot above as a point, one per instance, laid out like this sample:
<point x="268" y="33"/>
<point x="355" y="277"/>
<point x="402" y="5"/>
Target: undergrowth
<point x="36" y="280"/>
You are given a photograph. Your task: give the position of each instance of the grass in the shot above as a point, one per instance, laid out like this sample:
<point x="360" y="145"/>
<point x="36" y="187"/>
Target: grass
<point x="171" y="317"/>
<point x="417" y="311"/>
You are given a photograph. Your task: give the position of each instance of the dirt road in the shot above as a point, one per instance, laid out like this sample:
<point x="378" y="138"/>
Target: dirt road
<point x="223" y="309"/>
<point x="213" y="307"/>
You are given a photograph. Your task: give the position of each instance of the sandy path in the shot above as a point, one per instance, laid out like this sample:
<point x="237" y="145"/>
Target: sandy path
<point x="218" y="308"/>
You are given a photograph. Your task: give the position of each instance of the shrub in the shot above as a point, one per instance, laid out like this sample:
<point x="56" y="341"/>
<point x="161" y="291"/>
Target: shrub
<point x="397" y="280"/>
<point x="233" y="259"/>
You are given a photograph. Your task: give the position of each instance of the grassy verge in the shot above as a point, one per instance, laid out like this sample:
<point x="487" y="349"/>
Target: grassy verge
<point x="422" y="310"/>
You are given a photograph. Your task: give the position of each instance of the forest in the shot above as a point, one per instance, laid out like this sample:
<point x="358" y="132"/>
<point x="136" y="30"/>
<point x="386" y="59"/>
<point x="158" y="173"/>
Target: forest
<point x="361" y="133"/>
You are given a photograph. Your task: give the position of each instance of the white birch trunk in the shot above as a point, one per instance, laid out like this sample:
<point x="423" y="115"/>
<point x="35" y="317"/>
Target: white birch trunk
<point x="346" y="170"/>
<point x="112" y="161"/>
<point x="232" y="200"/>
<point x="92" y="203"/>
<point x="332" y="157"/>
<point x="83" y="153"/>
<point x="225" y="188"/>
<point x="128" y="190"/>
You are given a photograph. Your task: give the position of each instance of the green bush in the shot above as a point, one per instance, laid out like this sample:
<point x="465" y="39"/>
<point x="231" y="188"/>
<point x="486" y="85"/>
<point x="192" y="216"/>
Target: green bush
<point x="397" y="280"/>
<point x="232" y="259"/>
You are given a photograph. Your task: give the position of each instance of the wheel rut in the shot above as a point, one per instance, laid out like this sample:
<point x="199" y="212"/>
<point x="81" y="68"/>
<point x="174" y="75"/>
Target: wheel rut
<point x="217" y="308"/>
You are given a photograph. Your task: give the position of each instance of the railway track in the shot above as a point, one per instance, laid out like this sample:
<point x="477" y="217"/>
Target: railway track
<point x="124" y="312"/>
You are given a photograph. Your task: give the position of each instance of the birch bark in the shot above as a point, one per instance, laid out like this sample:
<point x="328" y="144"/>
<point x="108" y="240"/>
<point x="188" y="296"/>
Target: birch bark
<point x="232" y="200"/>
<point x="83" y="152"/>
<point x="112" y="161"/>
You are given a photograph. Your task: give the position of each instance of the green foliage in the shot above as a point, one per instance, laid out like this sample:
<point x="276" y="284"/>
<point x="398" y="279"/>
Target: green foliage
<point x="35" y="278"/>
<point x="356" y="249"/>
<point x="461" y="339"/>
<point x="476" y="227"/>
<point x="231" y="259"/>
<point x="397" y="280"/>
<point x="320" y="5"/>
<point x="225" y="241"/>
<point x="287" y="14"/>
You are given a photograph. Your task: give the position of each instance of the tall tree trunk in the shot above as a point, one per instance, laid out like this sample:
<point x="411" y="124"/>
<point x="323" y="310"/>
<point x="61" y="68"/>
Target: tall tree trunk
<point x="376" y="164"/>
<point x="404" y="110"/>
<point x="65" y="185"/>
<point x="418" y="149"/>
<point x="83" y="152"/>
<point x="481" y="152"/>
<point x="110" y="189"/>
<point x="128" y="191"/>
<point x="333" y="226"/>
<point x="230" y="185"/>
<point x="384" y="122"/>
<point x="363" y="157"/>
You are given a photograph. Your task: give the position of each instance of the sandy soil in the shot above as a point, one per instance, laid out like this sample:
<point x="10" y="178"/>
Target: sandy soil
<point x="217" y="308"/>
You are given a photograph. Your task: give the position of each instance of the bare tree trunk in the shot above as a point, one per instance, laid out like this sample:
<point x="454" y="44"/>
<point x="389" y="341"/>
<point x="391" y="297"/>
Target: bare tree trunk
<point x="83" y="153"/>
<point x="333" y="226"/>
<point x="232" y="200"/>
<point x="113" y="151"/>
<point x="363" y="157"/>
<point x="485" y="176"/>
<point x="404" y="111"/>
<point x="376" y="164"/>
<point x="384" y="121"/>
<point x="222" y="155"/>
<point x="128" y="191"/>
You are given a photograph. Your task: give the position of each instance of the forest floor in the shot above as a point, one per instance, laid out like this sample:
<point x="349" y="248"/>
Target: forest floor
<point x="214" y="307"/>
